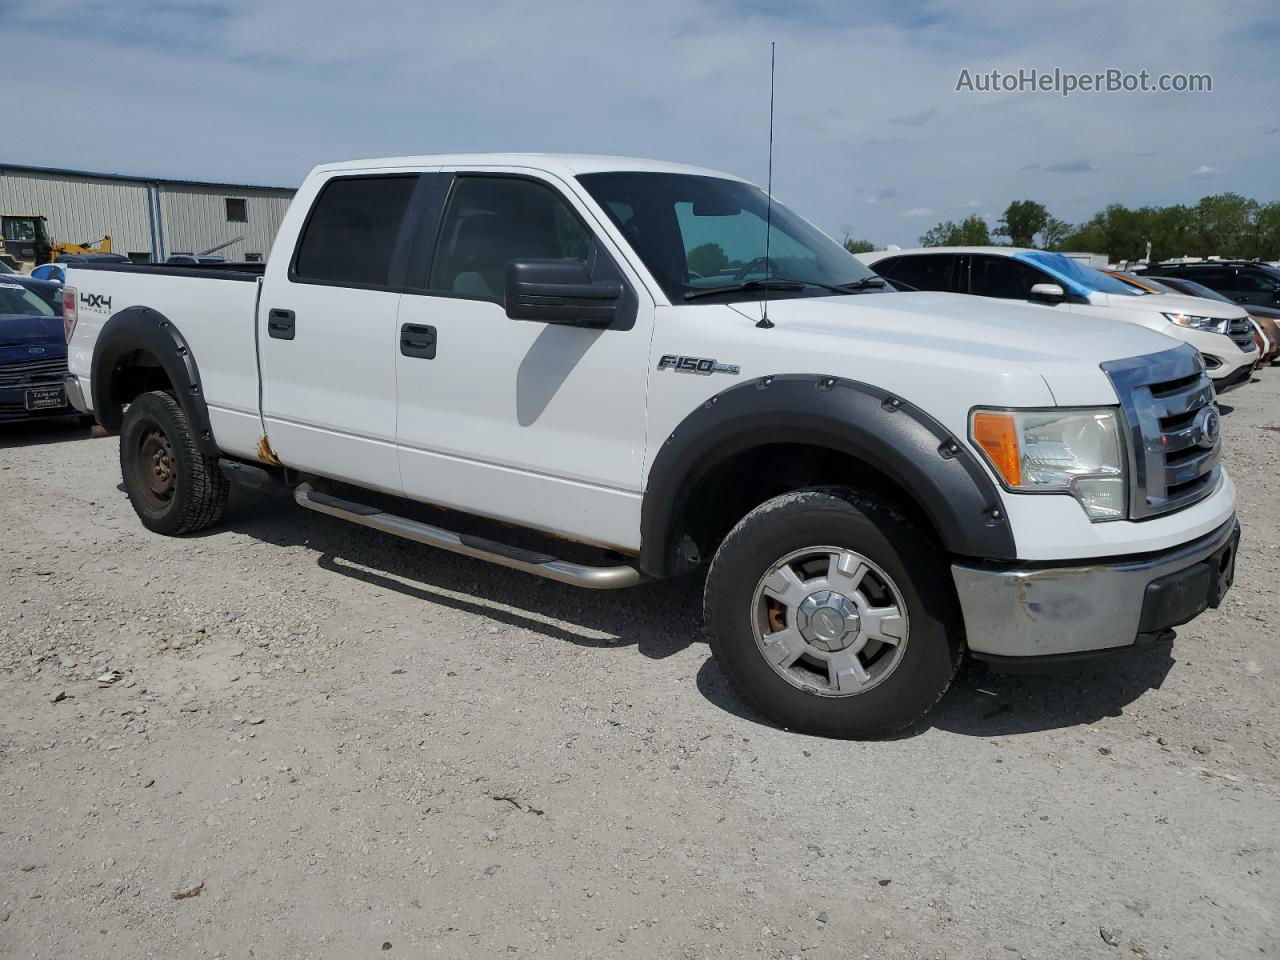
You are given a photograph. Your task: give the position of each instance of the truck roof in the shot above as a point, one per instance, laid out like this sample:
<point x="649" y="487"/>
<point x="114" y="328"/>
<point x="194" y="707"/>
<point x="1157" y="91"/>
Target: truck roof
<point x="564" y="164"/>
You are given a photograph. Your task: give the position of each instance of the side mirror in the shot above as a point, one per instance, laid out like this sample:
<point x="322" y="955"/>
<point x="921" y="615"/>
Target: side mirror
<point x="559" y="291"/>
<point x="1047" y="293"/>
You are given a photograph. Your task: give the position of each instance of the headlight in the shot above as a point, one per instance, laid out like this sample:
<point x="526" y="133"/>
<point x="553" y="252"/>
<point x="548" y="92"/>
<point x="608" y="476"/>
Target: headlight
<point x="1198" y="323"/>
<point x="1062" y="451"/>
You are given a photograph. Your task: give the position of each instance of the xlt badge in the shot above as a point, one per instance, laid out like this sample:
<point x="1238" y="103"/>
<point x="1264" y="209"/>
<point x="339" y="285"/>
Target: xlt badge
<point x="701" y="365"/>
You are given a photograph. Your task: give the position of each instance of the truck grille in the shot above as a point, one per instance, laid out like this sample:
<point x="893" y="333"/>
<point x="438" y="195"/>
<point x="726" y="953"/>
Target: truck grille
<point x="27" y="372"/>
<point x="1241" y="331"/>
<point x="1167" y="402"/>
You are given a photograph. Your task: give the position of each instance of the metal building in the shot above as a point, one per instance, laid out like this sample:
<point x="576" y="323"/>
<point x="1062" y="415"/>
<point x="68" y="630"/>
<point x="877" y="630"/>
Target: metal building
<point x="147" y="218"/>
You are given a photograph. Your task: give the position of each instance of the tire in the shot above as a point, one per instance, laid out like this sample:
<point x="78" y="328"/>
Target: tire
<point x="174" y="488"/>
<point x="896" y="680"/>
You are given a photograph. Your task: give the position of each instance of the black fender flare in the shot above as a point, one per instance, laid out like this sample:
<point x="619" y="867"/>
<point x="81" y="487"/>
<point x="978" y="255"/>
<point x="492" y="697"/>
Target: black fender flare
<point x="141" y="328"/>
<point x="897" y="438"/>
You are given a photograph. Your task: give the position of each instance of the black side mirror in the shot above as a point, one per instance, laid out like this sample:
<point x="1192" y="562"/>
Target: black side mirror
<point x="559" y="291"/>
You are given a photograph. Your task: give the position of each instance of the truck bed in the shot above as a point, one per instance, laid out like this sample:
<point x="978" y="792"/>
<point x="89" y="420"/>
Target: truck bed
<point x="214" y="309"/>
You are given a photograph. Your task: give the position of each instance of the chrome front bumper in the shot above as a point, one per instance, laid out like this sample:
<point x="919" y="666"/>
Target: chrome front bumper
<point x="75" y="396"/>
<point x="1034" y="611"/>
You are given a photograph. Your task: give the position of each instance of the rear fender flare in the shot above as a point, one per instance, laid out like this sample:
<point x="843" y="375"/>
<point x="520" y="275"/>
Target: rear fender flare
<point x="141" y="328"/>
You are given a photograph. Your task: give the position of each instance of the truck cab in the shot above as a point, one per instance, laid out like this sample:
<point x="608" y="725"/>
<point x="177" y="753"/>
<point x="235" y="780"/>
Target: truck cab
<point x="622" y="354"/>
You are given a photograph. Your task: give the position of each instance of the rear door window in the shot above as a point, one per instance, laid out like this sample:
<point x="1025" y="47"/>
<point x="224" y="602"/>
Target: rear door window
<point x="351" y="232"/>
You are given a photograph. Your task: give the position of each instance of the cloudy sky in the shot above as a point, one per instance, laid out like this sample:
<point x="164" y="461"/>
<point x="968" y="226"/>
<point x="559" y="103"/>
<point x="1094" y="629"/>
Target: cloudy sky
<point x="871" y="137"/>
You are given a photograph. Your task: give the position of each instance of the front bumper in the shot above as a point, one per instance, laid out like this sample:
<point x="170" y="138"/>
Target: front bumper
<point x="1236" y="378"/>
<point x="14" y="409"/>
<point x="1042" y="611"/>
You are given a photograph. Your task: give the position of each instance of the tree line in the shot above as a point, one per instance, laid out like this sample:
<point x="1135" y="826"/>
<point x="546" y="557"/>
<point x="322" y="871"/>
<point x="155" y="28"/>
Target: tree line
<point x="1225" y="225"/>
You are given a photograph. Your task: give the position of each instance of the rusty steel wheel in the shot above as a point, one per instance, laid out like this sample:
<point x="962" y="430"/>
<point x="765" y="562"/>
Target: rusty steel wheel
<point x="157" y="474"/>
<point x="174" y="487"/>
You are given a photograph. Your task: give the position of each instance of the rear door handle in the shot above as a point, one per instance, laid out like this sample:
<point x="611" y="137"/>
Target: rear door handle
<point x="417" y="340"/>
<point x="280" y="324"/>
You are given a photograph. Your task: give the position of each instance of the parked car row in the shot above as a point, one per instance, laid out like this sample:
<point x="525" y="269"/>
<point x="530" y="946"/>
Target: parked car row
<point x="1221" y="331"/>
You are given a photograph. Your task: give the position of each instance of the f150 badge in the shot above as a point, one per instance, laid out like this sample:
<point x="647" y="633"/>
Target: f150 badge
<point x="700" y="365"/>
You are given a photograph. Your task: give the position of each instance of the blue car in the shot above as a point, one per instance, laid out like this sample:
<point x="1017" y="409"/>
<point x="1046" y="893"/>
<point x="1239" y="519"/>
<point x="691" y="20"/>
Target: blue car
<point x="33" y="350"/>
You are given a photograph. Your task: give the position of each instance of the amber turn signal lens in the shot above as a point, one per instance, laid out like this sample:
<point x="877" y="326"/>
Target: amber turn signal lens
<point x="997" y="434"/>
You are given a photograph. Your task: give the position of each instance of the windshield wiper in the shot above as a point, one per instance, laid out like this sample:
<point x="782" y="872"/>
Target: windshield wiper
<point x="773" y="283"/>
<point x="866" y="283"/>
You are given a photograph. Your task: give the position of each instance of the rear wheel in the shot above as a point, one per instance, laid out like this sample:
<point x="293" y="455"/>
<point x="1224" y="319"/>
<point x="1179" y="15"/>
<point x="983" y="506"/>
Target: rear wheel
<point x="173" y="487"/>
<point x="832" y="613"/>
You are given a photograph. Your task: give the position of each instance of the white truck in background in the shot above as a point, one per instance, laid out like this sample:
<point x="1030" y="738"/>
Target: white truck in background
<point x="599" y="350"/>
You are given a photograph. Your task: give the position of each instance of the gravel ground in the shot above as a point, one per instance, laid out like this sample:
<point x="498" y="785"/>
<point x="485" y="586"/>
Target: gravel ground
<point x="324" y="742"/>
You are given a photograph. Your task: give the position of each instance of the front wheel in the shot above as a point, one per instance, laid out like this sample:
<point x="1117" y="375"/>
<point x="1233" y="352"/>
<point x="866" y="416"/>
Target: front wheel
<point x="173" y="487"/>
<point x="833" y="614"/>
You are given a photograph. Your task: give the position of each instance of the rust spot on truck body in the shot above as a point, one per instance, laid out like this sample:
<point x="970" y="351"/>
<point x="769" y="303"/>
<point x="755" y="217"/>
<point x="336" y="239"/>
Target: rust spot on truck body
<point x="266" y="454"/>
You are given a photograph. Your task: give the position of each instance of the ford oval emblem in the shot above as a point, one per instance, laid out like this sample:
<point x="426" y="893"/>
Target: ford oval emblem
<point x="36" y="351"/>
<point x="1210" y="425"/>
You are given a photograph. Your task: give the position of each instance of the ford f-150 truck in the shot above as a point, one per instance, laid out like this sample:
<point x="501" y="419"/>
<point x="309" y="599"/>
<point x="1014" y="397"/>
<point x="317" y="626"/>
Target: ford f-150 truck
<point x="601" y="351"/>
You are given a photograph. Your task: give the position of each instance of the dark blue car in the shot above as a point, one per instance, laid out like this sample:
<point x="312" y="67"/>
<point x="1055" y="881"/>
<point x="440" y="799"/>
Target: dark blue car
<point x="33" y="350"/>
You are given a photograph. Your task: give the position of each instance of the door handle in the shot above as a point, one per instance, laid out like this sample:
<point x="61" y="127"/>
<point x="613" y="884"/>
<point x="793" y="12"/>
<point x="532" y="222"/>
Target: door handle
<point x="280" y="324"/>
<point x="418" y="340"/>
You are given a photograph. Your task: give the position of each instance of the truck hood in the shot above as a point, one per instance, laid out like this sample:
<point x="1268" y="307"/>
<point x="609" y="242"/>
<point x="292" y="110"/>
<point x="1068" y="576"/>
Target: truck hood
<point x="22" y="330"/>
<point x="1000" y="331"/>
<point x="1006" y="352"/>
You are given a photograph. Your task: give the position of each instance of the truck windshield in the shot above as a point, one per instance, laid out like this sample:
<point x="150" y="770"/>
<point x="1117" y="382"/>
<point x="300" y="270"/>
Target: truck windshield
<point x="697" y="234"/>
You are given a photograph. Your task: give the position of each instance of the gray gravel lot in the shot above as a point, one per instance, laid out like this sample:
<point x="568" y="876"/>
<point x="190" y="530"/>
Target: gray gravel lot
<point x="335" y="744"/>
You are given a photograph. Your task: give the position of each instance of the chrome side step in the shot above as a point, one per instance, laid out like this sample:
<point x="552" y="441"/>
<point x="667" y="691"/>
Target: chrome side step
<point x="539" y="564"/>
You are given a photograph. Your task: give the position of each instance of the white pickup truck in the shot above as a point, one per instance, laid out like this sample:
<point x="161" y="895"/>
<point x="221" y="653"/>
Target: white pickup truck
<point x="601" y="351"/>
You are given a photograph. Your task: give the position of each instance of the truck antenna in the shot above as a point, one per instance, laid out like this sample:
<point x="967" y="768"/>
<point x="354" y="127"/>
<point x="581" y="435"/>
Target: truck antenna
<point x="765" y="322"/>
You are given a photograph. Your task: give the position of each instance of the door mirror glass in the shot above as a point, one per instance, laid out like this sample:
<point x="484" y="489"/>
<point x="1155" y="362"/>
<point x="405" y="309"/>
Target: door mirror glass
<point x="1047" y="293"/>
<point x="559" y="291"/>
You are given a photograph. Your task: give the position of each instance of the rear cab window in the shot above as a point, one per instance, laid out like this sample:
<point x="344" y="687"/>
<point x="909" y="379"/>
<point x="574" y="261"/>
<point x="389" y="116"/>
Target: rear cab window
<point x="352" y="231"/>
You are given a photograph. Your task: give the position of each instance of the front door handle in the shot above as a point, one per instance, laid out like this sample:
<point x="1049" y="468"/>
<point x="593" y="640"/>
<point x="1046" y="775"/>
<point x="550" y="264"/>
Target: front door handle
<point x="280" y="324"/>
<point x="418" y="340"/>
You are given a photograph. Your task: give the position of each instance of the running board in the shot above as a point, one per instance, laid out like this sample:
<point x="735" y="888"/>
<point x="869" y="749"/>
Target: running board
<point x="529" y="561"/>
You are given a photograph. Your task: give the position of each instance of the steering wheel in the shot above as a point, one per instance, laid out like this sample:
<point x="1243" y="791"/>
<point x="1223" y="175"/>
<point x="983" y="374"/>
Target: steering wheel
<point x="767" y="264"/>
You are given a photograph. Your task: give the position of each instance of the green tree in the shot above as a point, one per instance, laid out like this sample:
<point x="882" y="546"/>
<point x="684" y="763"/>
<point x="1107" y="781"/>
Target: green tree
<point x="1225" y="225"/>
<point x="858" y="246"/>
<point x="707" y="259"/>
<point x="970" y="232"/>
<point x="1053" y="233"/>
<point x="1022" y="220"/>
<point x="1266" y="225"/>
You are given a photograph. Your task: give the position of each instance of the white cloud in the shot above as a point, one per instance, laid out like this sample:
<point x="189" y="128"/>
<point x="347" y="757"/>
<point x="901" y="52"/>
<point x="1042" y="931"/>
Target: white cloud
<point x="918" y="212"/>
<point x="1204" y="172"/>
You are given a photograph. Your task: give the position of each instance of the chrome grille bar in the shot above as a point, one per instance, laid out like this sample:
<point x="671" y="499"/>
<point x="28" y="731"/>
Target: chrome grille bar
<point x="1167" y="403"/>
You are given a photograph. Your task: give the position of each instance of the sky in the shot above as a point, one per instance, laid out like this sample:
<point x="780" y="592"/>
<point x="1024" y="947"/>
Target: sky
<point x="871" y="137"/>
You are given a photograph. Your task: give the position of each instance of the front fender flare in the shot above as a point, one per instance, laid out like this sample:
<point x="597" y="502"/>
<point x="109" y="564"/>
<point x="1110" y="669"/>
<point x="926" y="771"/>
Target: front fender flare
<point x="141" y="328"/>
<point x="897" y="438"/>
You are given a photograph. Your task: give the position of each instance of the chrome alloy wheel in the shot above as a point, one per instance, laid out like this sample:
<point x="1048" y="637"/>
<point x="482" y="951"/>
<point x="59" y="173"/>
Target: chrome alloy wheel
<point x="829" y="621"/>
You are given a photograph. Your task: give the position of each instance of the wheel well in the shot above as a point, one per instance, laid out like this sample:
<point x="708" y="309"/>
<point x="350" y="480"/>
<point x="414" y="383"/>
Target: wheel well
<point x="134" y="374"/>
<point x="738" y="484"/>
